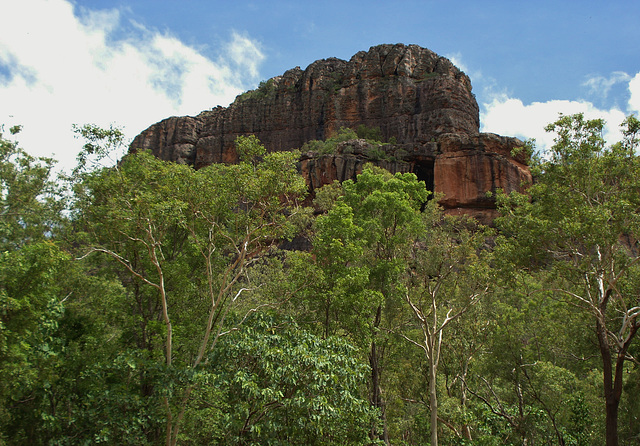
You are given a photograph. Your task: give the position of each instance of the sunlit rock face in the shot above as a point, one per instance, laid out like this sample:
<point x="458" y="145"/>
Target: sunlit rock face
<point x="419" y="101"/>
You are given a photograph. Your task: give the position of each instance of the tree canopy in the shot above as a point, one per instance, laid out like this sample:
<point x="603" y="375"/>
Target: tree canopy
<point x="151" y="303"/>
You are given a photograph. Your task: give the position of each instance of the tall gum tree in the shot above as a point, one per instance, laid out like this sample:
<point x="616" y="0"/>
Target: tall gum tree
<point x="155" y="219"/>
<point x="31" y="295"/>
<point x="448" y="276"/>
<point x="363" y="245"/>
<point x="579" y="227"/>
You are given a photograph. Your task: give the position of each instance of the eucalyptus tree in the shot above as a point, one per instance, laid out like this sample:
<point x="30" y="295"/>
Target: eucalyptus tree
<point x="532" y="382"/>
<point x="449" y="275"/>
<point x="31" y="200"/>
<point x="578" y="228"/>
<point x="183" y="240"/>
<point x="362" y="247"/>
<point x="31" y="295"/>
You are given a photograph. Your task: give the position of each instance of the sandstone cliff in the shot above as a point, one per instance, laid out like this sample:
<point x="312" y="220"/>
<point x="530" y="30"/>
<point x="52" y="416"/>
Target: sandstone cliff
<point x="418" y="100"/>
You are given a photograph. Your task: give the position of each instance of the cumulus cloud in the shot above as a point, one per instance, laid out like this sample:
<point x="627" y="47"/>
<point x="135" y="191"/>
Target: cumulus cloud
<point x="504" y="114"/>
<point x="69" y="65"/>
<point x="634" y="90"/>
<point x="245" y="54"/>
<point x="507" y="115"/>
<point x="510" y="116"/>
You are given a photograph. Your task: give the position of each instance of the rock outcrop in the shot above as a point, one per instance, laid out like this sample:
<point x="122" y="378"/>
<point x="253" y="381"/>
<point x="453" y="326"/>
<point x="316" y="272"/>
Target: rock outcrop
<point x="419" y="101"/>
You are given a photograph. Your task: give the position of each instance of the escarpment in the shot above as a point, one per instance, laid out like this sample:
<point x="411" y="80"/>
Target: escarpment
<point x="420" y="101"/>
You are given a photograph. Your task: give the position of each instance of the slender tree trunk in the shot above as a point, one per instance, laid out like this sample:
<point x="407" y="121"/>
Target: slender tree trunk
<point x="376" y="394"/>
<point x="326" y="318"/>
<point x="433" y="400"/>
<point x="612" y="401"/>
<point x="466" y="429"/>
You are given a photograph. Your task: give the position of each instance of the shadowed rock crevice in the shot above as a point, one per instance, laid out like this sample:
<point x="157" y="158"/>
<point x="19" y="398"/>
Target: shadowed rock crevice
<point x="417" y="99"/>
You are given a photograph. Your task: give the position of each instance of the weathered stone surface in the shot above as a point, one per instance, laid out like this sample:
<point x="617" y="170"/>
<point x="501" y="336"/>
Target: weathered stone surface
<point x="349" y="160"/>
<point x="469" y="166"/>
<point x="413" y="95"/>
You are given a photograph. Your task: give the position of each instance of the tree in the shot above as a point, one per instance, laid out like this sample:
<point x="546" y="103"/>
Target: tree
<point x="531" y="380"/>
<point x="578" y="227"/>
<point x="30" y="310"/>
<point x="340" y="296"/>
<point x="377" y="252"/>
<point x="362" y="247"/>
<point x="449" y="275"/>
<point x="31" y="294"/>
<point x="165" y="224"/>
<point x="30" y="200"/>
<point x="283" y="385"/>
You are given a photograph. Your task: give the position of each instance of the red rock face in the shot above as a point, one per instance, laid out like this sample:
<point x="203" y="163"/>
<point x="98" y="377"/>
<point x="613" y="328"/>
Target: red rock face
<point x="413" y="95"/>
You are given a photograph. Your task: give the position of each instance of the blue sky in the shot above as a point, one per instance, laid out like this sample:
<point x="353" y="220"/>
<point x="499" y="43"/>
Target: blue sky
<point x="135" y="62"/>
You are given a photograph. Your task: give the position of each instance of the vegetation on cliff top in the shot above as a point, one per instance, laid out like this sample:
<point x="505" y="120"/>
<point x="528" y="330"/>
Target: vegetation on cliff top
<point x="375" y="147"/>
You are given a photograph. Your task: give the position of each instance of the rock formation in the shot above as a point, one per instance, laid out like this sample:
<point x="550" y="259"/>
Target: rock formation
<point x="420" y="101"/>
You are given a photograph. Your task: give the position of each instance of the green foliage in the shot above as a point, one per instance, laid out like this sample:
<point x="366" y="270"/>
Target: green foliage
<point x="327" y="196"/>
<point x="30" y="200"/>
<point x="329" y="146"/>
<point x="370" y="134"/>
<point x="527" y="150"/>
<point x="179" y="321"/>
<point x="360" y="252"/>
<point x="182" y="254"/>
<point x="284" y="385"/>
<point x="31" y="294"/>
<point x="249" y="148"/>
<point x="341" y="295"/>
<point x="266" y="89"/>
<point x="574" y="233"/>
<point x="376" y="153"/>
<point x="359" y="243"/>
<point x="30" y="310"/>
<point x="526" y="349"/>
<point x="335" y="81"/>
<point x="101" y="144"/>
<point x="373" y="137"/>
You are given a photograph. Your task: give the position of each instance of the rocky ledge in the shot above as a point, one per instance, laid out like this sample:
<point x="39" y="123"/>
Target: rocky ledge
<point x="420" y="102"/>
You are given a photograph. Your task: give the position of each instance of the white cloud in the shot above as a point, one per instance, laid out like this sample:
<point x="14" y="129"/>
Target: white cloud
<point x="245" y="53"/>
<point x="456" y="59"/>
<point x="506" y="115"/>
<point x="510" y="116"/>
<point x="601" y="85"/>
<point x="634" y="89"/>
<point x="69" y="67"/>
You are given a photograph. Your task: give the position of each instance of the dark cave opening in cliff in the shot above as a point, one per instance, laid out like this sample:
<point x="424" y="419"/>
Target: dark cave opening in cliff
<point x="424" y="171"/>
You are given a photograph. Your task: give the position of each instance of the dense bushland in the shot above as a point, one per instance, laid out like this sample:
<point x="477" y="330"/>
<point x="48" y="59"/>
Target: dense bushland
<point x="149" y="303"/>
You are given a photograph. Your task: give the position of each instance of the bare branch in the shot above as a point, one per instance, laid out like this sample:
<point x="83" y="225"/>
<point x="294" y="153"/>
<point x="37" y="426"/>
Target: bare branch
<point x="123" y="261"/>
<point x="501" y="412"/>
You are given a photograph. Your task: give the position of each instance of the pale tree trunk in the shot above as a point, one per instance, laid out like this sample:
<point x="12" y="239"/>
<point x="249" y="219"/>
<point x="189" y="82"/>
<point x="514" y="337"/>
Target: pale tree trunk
<point x="153" y="247"/>
<point x="432" y="331"/>
<point x="466" y="429"/>
<point x="433" y="341"/>
<point x="217" y="313"/>
<point x="433" y="401"/>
